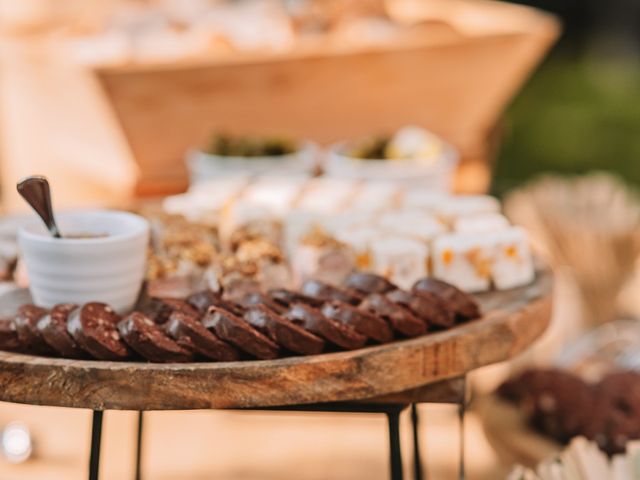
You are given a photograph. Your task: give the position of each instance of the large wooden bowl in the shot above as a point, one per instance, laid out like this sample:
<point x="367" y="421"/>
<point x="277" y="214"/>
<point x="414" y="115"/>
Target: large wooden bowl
<point x="512" y="321"/>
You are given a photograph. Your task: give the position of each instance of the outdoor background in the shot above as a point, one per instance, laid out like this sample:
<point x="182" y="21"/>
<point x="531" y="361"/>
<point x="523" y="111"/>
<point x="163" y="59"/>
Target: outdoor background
<point x="581" y="109"/>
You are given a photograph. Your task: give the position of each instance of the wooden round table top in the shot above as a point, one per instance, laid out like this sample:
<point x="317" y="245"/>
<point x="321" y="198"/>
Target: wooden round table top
<point x="512" y="320"/>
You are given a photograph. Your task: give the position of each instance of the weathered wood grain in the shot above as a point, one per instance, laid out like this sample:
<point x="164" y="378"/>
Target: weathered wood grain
<point x="513" y="320"/>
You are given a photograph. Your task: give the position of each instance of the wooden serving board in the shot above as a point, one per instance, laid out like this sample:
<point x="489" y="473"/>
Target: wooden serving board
<point x="513" y="320"/>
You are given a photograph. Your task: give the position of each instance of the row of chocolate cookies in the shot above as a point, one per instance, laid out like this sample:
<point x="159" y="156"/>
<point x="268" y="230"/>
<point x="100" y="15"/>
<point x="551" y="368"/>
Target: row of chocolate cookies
<point x="320" y="317"/>
<point x="368" y="309"/>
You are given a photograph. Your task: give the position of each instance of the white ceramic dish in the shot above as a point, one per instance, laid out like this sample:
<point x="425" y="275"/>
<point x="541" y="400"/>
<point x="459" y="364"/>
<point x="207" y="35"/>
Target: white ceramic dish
<point x="435" y="174"/>
<point x="107" y="269"/>
<point x="205" y="166"/>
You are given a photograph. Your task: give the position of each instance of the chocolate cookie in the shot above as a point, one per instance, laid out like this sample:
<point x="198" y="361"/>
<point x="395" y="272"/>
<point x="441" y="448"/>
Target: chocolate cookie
<point x="8" y="336"/>
<point x="201" y="301"/>
<point x="426" y="306"/>
<point x="557" y="403"/>
<point x="189" y="333"/>
<point x="94" y="328"/>
<point x="282" y="331"/>
<point x="259" y="298"/>
<point x="616" y="415"/>
<point x="29" y="336"/>
<point x="463" y="304"/>
<point x="160" y="309"/>
<point x="237" y="331"/>
<point x="288" y="297"/>
<point x="312" y="319"/>
<point x="368" y="283"/>
<point x="325" y="292"/>
<point x="53" y="328"/>
<point x="147" y="338"/>
<point x="399" y="317"/>
<point x="363" y="322"/>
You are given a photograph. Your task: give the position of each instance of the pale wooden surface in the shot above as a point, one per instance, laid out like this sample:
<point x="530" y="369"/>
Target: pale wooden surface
<point x="55" y="121"/>
<point x="222" y="445"/>
<point x="513" y="320"/>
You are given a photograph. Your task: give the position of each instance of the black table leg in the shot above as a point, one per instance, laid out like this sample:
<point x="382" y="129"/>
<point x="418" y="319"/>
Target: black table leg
<point x="461" y="412"/>
<point x="96" y="437"/>
<point x="417" y="460"/>
<point x="393" y="417"/>
<point x="139" y="448"/>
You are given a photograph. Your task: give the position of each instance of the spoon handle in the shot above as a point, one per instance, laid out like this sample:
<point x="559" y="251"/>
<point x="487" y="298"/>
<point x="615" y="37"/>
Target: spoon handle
<point x="35" y="190"/>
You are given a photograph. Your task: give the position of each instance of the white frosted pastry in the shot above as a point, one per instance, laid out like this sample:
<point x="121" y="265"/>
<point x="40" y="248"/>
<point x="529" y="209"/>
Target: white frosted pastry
<point x="465" y="205"/>
<point x="347" y="220"/>
<point x="421" y="198"/>
<point x="278" y="194"/>
<point x="415" y="224"/>
<point x="330" y="263"/>
<point x="327" y="195"/>
<point x="513" y="263"/>
<point x="204" y="201"/>
<point x="463" y="260"/>
<point x="240" y="214"/>
<point x="401" y="260"/>
<point x="482" y="223"/>
<point x="319" y="256"/>
<point x="296" y="224"/>
<point x="359" y="241"/>
<point x="375" y="196"/>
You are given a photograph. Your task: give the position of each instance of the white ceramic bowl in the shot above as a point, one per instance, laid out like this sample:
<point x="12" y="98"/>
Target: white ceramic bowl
<point x="107" y="269"/>
<point x="431" y="174"/>
<point x="205" y="166"/>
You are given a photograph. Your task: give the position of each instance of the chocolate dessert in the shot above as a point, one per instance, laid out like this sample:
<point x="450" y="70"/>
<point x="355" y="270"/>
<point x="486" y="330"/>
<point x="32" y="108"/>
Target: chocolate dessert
<point x="147" y="338"/>
<point x="312" y="319"/>
<point x="29" y="336"/>
<point x="368" y="283"/>
<point x="366" y="323"/>
<point x="430" y="308"/>
<point x="400" y="318"/>
<point x="463" y="304"/>
<point x="238" y="332"/>
<point x="325" y="292"/>
<point x="94" y="328"/>
<point x="282" y="331"/>
<point x="189" y="333"/>
<point x="53" y="328"/>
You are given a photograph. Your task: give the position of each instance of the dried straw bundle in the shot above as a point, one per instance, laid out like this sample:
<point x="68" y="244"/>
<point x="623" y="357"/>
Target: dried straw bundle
<point x="589" y="224"/>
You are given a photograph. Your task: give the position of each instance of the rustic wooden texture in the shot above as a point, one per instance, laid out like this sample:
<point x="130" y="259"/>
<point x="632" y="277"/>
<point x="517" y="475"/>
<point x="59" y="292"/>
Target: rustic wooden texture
<point x="453" y="77"/>
<point x="453" y="390"/>
<point x="512" y="321"/>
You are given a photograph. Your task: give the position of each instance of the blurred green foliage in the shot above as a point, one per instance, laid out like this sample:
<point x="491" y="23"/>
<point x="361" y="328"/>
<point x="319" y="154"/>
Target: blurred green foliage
<point x="574" y="115"/>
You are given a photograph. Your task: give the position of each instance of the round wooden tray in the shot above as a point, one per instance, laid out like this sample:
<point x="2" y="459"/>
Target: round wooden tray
<point x="513" y="320"/>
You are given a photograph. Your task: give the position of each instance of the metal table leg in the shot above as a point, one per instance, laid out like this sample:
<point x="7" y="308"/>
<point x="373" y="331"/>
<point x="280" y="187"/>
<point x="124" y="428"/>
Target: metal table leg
<point x="96" y="437"/>
<point x="395" y="451"/>
<point x="417" y="460"/>
<point x="139" y="448"/>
